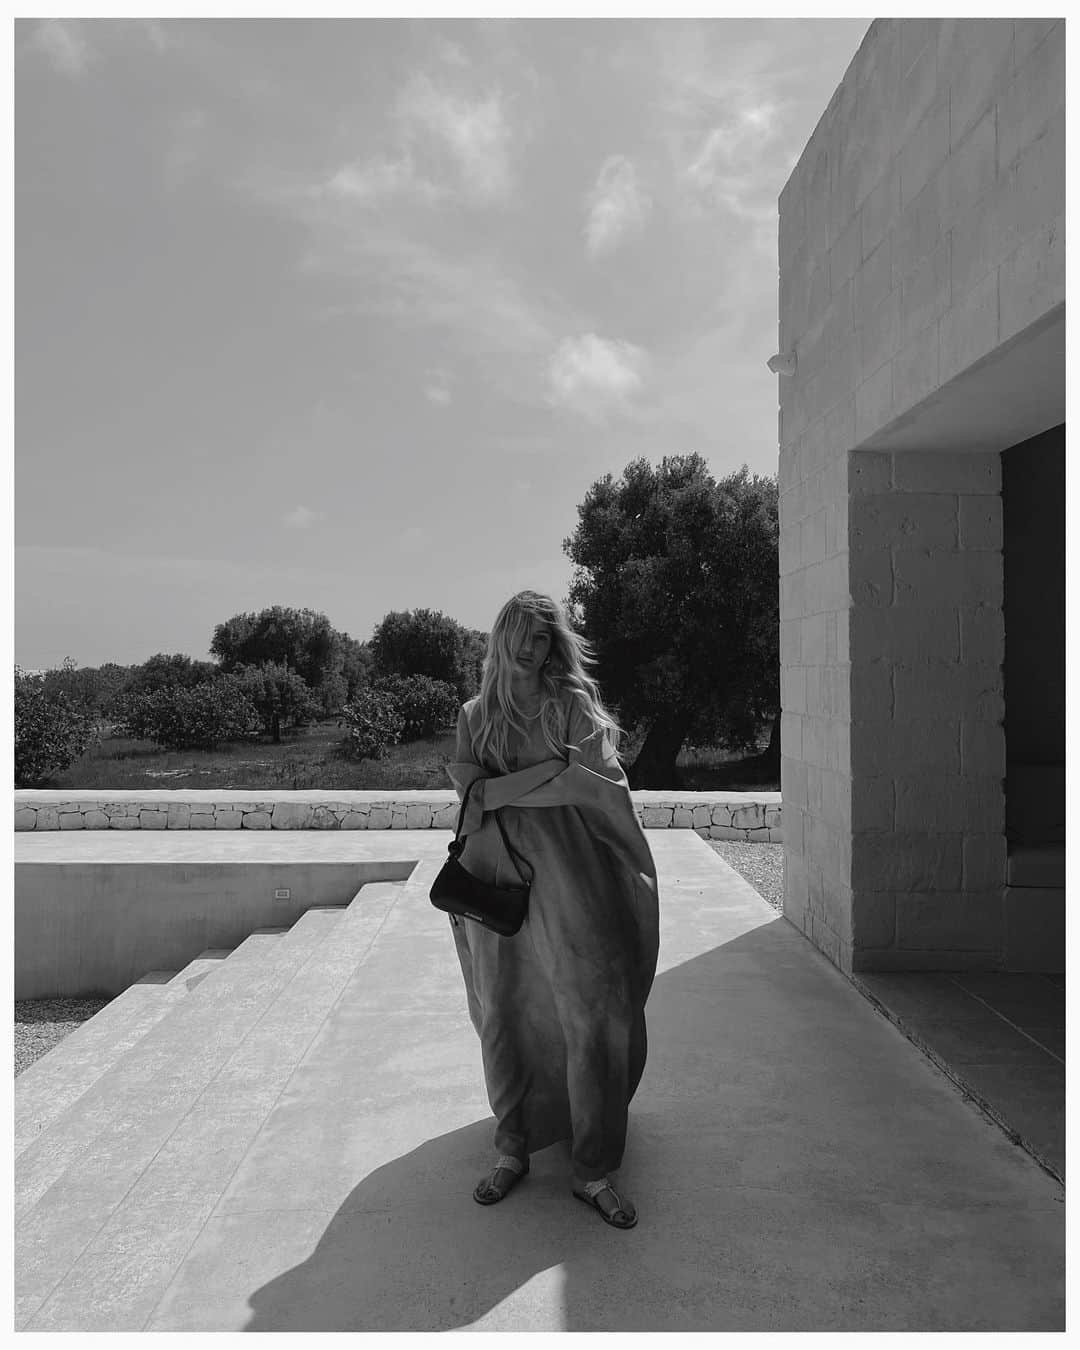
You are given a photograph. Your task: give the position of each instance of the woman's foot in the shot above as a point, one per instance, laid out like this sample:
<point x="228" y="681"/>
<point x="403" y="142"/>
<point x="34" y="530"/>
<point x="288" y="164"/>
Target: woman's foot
<point x="603" y="1197"/>
<point x="498" y="1184"/>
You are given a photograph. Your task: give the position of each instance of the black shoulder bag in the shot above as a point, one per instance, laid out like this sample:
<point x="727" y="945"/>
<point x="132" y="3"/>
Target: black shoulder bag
<point x="458" y="892"/>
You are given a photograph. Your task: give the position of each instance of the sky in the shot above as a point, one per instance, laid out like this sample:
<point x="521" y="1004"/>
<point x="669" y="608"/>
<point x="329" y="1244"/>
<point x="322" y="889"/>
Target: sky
<point x="349" y="314"/>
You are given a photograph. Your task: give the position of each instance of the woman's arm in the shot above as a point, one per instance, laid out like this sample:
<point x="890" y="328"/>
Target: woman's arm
<point x="594" y="780"/>
<point x="509" y="788"/>
<point x="491" y="792"/>
<point x="592" y="757"/>
<point x="593" y="767"/>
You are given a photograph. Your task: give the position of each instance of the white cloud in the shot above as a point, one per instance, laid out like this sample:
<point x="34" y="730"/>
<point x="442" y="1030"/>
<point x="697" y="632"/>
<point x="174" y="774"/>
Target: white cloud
<point x="63" y="43"/>
<point x="437" y="389"/>
<point x="380" y="179"/>
<point x="730" y="154"/>
<point x="595" y="376"/>
<point x="726" y="110"/>
<point x="617" y="205"/>
<point x="731" y="172"/>
<point x="414" y="539"/>
<point x="155" y="32"/>
<point x="474" y="132"/>
<point x="189" y="133"/>
<point x="452" y="53"/>
<point x="446" y="146"/>
<point x="485" y="311"/>
<point x="301" y="518"/>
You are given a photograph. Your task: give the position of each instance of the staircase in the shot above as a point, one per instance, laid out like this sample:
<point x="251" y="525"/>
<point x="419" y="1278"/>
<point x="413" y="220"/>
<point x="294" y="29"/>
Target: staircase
<point x="127" y="1133"/>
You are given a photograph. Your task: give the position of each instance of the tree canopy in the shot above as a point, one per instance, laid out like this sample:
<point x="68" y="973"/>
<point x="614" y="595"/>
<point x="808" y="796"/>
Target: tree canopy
<point x="91" y="689"/>
<point x="357" y="664"/>
<point x="332" y="664"/>
<point x="676" y="586"/>
<point x="51" y="730"/>
<point x="301" y="639"/>
<point x="168" y="670"/>
<point x="428" y="642"/>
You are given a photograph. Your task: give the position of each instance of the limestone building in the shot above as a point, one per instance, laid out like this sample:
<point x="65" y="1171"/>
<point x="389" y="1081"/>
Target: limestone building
<point x="922" y="474"/>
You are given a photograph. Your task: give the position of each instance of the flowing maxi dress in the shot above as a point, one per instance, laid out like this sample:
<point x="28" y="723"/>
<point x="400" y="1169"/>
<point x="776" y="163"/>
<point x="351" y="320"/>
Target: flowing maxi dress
<point x="560" y="1007"/>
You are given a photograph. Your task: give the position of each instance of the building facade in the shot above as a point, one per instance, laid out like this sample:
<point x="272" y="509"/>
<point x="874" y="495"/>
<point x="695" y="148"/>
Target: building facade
<point x="922" y="295"/>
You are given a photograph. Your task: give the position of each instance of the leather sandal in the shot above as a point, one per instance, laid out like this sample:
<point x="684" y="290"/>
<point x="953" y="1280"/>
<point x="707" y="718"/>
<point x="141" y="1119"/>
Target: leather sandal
<point x="622" y="1216"/>
<point x="493" y="1188"/>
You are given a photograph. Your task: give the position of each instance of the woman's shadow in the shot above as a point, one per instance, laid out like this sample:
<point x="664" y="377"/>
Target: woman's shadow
<point x="411" y="1251"/>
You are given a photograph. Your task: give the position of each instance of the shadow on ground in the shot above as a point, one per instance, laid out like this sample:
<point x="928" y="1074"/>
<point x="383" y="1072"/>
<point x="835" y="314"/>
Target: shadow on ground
<point x="798" y="1165"/>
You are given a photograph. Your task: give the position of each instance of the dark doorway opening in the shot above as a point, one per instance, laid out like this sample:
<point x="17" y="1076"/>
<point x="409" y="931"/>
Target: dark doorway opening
<point x="1033" y="508"/>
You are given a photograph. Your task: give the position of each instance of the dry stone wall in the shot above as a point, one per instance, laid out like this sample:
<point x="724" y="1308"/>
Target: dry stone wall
<point x="735" y="815"/>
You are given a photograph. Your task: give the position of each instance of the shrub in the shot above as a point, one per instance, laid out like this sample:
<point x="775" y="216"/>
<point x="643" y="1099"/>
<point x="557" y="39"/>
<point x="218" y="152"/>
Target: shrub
<point x="375" y="723"/>
<point x="331" y="694"/>
<point x="165" y="671"/>
<point x="197" y="718"/>
<point x="51" y="731"/>
<point x="277" y="694"/>
<point x="427" y="706"/>
<point x="428" y="642"/>
<point x="89" y="689"/>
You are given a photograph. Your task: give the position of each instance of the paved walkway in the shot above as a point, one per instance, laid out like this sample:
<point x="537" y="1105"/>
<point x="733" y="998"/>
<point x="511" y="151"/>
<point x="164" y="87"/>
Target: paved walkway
<point x="1000" y="1036"/>
<point x="798" y="1164"/>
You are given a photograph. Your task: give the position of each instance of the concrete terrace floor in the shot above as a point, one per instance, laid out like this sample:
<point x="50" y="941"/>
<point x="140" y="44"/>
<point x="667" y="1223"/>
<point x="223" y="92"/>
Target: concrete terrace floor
<point x="797" y="1162"/>
<point x="999" y="1036"/>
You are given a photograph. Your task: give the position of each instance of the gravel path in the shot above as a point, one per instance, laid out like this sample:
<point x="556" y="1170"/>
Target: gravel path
<point x="762" y="865"/>
<point x="42" y="1023"/>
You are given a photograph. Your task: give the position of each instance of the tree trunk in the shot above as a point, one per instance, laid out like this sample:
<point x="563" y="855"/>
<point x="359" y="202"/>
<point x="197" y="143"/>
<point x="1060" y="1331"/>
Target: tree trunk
<point x="655" y="765"/>
<point x="275" y="727"/>
<point x="772" y="750"/>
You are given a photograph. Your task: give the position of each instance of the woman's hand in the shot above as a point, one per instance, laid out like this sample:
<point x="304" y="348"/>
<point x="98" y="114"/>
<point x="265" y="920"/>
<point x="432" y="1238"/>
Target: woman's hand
<point x="596" y="753"/>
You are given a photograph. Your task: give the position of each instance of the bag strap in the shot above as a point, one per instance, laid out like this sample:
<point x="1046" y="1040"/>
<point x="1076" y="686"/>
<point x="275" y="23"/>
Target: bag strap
<point x="459" y="838"/>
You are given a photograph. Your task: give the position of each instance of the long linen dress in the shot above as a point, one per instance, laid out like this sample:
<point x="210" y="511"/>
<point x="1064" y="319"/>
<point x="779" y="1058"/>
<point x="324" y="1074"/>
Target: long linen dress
<point x="560" y="1006"/>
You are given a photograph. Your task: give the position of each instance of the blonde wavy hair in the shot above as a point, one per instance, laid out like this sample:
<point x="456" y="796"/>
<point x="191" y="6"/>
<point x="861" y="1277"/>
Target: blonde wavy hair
<point x="563" y="672"/>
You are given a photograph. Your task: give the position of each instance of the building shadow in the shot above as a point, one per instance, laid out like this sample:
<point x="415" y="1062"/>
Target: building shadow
<point x="764" y="1205"/>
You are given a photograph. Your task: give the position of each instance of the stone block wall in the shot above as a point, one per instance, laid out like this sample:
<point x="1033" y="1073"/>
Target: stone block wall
<point x="927" y="643"/>
<point x="920" y="234"/>
<point x="815" y="773"/>
<point x="924" y="224"/>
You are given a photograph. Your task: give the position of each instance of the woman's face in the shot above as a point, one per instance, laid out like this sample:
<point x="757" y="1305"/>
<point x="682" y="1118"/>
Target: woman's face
<point x="533" y="650"/>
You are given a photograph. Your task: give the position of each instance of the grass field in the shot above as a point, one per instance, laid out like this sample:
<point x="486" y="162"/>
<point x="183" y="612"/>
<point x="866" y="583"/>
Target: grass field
<point x="311" y="758"/>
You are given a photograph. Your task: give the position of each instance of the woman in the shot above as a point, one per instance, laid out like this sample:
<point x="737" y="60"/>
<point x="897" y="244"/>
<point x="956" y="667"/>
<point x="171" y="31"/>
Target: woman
<point x="559" y="1007"/>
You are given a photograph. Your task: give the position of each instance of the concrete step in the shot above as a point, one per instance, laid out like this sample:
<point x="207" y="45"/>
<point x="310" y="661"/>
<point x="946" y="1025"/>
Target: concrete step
<point x="269" y="946"/>
<point x="1037" y="865"/>
<point x="1035" y="908"/>
<point x="196" y="971"/>
<point x="256" y="965"/>
<point x="55" y="1081"/>
<point x="50" y="1085"/>
<point x="163" y="1131"/>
